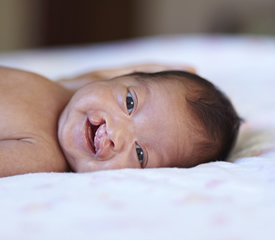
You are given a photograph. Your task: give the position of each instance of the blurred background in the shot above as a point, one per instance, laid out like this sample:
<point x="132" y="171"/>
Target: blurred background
<point x="26" y="24"/>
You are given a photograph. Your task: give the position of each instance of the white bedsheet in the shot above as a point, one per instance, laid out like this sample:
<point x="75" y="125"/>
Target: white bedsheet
<point x="232" y="200"/>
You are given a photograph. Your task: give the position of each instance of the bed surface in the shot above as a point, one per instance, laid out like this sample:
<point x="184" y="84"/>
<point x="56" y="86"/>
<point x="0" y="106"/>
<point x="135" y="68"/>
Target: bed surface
<point x="232" y="200"/>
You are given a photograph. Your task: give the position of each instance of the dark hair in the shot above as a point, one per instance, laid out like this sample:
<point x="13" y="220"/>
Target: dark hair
<point x="212" y="110"/>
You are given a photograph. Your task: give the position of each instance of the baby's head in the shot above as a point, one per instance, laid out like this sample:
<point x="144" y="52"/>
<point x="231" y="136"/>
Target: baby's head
<point x="163" y="119"/>
<point x="213" y="121"/>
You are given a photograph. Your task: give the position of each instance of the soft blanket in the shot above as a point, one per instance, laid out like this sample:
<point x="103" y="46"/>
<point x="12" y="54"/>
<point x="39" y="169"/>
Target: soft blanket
<point x="231" y="200"/>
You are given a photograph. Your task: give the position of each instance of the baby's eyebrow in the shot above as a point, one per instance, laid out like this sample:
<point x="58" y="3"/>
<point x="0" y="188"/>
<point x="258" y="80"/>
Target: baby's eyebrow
<point x="139" y="76"/>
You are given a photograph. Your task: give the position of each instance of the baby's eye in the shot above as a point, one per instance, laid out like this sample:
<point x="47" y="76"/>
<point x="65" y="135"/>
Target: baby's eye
<point x="129" y="102"/>
<point x="140" y="154"/>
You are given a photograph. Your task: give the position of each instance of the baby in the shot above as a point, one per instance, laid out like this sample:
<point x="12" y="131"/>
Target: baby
<point x="107" y="120"/>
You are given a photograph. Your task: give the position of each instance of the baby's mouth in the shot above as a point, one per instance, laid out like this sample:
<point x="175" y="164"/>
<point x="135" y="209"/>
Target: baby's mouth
<point x="91" y="132"/>
<point x="98" y="141"/>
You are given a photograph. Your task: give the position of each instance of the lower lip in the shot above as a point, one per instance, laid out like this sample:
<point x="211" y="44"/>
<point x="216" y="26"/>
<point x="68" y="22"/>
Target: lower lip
<point x="87" y="134"/>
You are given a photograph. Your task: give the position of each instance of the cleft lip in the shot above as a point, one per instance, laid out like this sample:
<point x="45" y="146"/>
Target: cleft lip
<point x="97" y="139"/>
<point x="103" y="144"/>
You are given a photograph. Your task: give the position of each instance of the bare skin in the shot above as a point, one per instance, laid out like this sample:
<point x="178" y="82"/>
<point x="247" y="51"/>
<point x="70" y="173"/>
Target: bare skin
<point x="30" y="107"/>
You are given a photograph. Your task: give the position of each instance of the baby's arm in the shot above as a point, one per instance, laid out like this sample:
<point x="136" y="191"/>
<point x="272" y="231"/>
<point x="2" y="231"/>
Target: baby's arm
<point x="30" y="105"/>
<point x="19" y="156"/>
<point x="104" y="74"/>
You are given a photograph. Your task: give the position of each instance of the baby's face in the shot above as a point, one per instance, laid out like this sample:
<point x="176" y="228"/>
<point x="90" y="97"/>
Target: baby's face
<point x="125" y="123"/>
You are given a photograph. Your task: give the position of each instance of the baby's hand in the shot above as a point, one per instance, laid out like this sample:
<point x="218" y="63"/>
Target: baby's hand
<point x="104" y="74"/>
<point x="151" y="67"/>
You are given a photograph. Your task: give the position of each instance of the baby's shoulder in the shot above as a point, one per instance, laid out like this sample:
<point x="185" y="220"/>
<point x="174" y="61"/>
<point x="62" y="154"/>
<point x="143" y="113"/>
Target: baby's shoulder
<point x="21" y="83"/>
<point x="29" y="98"/>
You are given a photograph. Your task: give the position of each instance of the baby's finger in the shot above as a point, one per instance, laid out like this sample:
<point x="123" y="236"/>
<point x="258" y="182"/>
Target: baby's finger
<point x="161" y="67"/>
